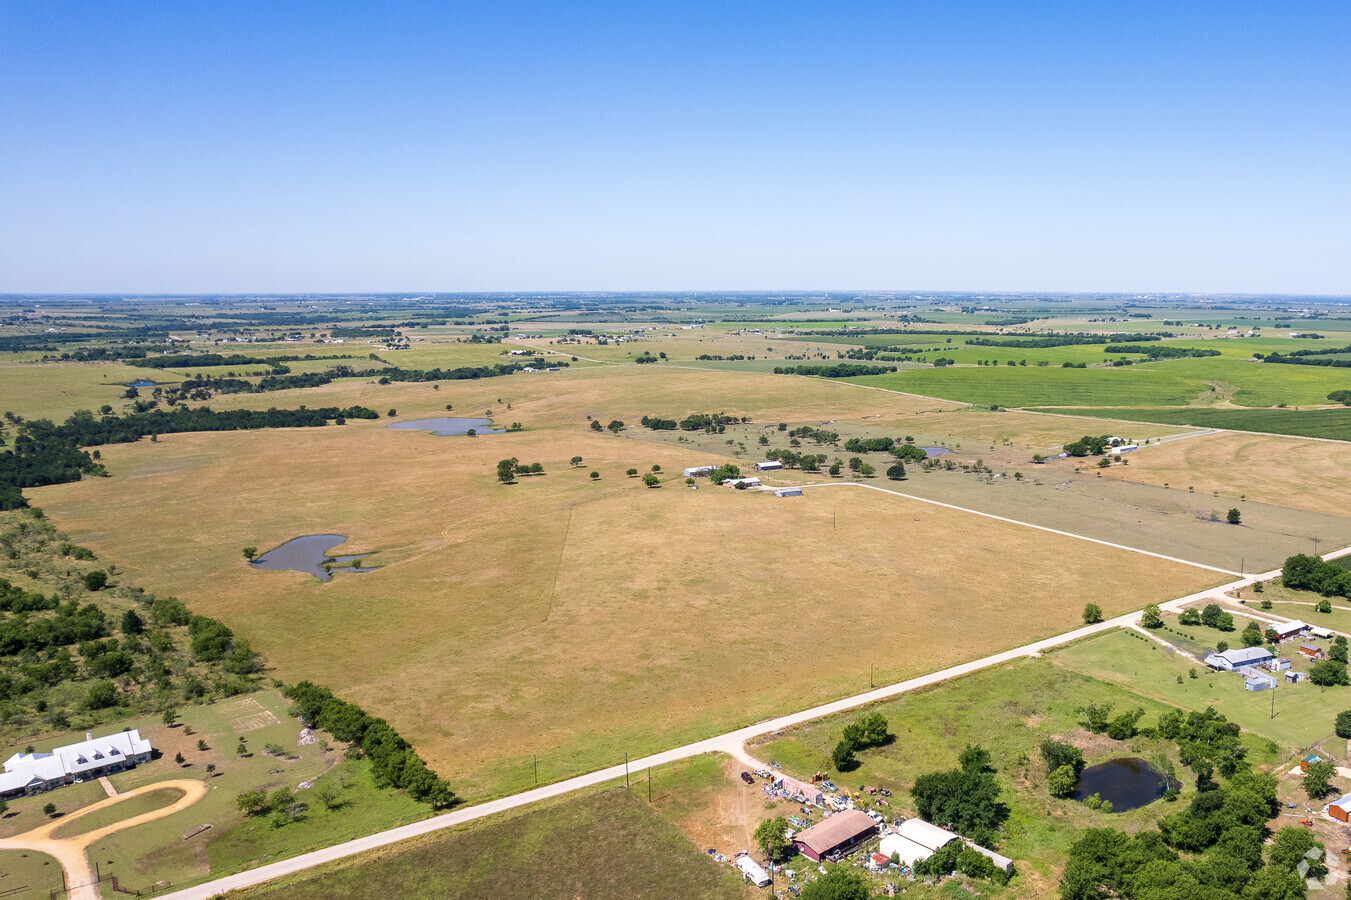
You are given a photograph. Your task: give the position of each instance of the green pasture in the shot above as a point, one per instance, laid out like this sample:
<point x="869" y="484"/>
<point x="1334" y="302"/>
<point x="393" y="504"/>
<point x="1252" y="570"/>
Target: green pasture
<point x="1304" y="711"/>
<point x="29" y="874"/>
<point x="597" y="845"/>
<point x="1009" y="710"/>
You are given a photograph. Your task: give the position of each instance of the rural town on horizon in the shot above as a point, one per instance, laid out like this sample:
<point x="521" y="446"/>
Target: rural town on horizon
<point x="434" y="465"/>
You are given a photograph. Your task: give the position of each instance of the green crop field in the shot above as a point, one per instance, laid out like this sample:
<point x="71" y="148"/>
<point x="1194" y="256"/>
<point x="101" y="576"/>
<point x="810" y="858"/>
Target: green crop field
<point x="1334" y="424"/>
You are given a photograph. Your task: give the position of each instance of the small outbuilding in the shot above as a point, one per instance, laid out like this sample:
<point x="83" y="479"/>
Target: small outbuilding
<point x="768" y="465"/>
<point x="742" y="484"/>
<point x="788" y="492"/>
<point x="1341" y="808"/>
<point x="1312" y="759"/>
<point x="1278" y="665"/>
<point x="697" y="471"/>
<point x="1312" y="652"/>
<point x="904" y="849"/>
<point x="809" y="793"/>
<point x="836" y="834"/>
<point x="1295" y="677"/>
<point x="1323" y="633"/>
<point x="1258" y="681"/>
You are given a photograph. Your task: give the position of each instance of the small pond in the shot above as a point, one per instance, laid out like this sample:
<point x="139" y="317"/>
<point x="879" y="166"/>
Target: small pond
<point x="307" y="554"/>
<point x="448" y="425"/>
<point x="1129" y="783"/>
<point x="141" y="384"/>
<point x="931" y="452"/>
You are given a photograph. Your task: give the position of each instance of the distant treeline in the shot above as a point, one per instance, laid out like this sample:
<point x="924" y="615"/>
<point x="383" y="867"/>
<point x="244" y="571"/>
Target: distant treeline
<point x="394" y="762"/>
<point x="838" y="370"/>
<point x="49" y="342"/>
<point x="1302" y="357"/>
<point x="1162" y="351"/>
<point x="45" y="453"/>
<point x="1065" y="340"/>
<point x="282" y="380"/>
<point x="205" y="360"/>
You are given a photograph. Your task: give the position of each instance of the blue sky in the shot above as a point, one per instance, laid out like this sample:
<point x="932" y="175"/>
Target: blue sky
<point x="584" y="146"/>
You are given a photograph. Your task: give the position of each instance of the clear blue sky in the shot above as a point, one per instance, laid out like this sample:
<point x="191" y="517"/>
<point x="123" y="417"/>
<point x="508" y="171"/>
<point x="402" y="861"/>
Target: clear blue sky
<point x="447" y="146"/>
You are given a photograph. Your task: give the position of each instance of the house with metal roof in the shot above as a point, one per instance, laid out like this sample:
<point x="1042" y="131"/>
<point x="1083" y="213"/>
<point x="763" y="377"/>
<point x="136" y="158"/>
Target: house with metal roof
<point x="32" y="773"/>
<point x="839" y="833"/>
<point x="1232" y="660"/>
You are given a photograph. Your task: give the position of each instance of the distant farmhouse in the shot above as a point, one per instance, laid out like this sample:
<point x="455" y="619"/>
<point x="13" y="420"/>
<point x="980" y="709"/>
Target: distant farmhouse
<point x="33" y="773"/>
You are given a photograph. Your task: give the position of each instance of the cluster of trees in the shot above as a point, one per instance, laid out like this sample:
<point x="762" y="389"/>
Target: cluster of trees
<point x="1310" y="573"/>
<point x="509" y="469"/>
<point x="708" y="422"/>
<point x="908" y="452"/>
<point x="734" y="357"/>
<point x="1064" y="762"/>
<point x="1097" y="718"/>
<point x="1342" y="397"/>
<point x="820" y="435"/>
<point x="206" y="360"/>
<point x="724" y="472"/>
<point x="837" y="370"/>
<point x="956" y="856"/>
<point x="1212" y="616"/>
<point x="1068" y="340"/>
<point x="810" y="462"/>
<point x="393" y="761"/>
<point x="1312" y="357"/>
<point x="964" y="799"/>
<point x="51" y="643"/>
<point x="868" y="445"/>
<point x="869" y="731"/>
<point x="1088" y="445"/>
<point x="1161" y="351"/>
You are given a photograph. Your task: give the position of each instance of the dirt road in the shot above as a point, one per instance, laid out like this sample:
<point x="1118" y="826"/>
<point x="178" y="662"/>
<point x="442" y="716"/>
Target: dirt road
<point x="71" y="851"/>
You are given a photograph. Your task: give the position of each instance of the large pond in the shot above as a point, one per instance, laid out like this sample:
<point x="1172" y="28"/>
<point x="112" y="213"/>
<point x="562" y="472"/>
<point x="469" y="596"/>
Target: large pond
<point x="307" y="554"/>
<point x="1128" y="782"/>
<point x="448" y="425"/>
<point x="931" y="452"/>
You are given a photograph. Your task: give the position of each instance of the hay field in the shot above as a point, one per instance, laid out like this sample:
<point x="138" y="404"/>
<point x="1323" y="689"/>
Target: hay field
<point x="1309" y="475"/>
<point x="569" y="618"/>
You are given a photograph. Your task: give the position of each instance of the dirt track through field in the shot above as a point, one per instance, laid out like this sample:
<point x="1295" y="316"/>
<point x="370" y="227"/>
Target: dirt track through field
<point x="71" y="851"/>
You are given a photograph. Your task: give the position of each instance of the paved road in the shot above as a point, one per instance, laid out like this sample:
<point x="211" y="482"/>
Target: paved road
<point x="731" y="743"/>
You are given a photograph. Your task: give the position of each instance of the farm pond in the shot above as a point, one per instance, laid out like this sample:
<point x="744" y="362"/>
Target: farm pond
<point x="308" y="554"/>
<point x="1128" y="782"/>
<point x="448" y="425"/>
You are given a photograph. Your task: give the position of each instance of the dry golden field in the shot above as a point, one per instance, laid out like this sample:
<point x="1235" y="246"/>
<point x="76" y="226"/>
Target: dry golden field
<point x="1304" y="474"/>
<point x="570" y="618"/>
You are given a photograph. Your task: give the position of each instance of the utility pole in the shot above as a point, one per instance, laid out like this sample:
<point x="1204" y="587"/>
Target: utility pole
<point x="870" y="675"/>
<point x="626" y="768"/>
<point x="1315" y="545"/>
<point x="536" y="758"/>
<point x="649" y="784"/>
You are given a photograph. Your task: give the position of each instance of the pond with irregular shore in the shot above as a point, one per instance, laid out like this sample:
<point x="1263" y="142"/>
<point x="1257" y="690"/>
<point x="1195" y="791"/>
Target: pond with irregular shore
<point x="1128" y="782"/>
<point x="309" y="554"/>
<point x="450" y="425"/>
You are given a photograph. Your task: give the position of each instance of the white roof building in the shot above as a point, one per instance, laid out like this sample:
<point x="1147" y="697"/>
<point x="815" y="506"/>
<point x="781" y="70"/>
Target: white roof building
<point x="900" y="846"/>
<point x="33" y="772"/>
<point x="926" y="834"/>
<point x="752" y="871"/>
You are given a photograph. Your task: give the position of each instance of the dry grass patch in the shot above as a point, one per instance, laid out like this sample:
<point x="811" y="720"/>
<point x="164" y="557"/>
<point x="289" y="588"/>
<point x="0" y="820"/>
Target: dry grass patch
<point x="571" y="618"/>
<point x="1283" y="471"/>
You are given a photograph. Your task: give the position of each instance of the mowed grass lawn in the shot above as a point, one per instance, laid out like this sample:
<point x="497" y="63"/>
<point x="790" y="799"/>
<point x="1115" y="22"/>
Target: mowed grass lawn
<point x="606" y="844"/>
<point x="1282" y="471"/>
<point x="1304" y="711"/>
<point x="573" y="619"/>
<point x="1009" y="710"/>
